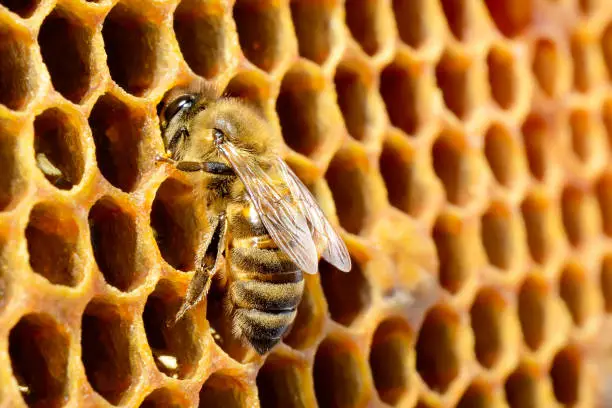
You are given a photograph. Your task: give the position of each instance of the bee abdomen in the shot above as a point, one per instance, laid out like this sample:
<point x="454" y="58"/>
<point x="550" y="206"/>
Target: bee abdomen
<point x="267" y="296"/>
<point x="263" y="330"/>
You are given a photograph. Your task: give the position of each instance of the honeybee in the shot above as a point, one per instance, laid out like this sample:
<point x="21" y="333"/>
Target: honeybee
<point x="263" y="220"/>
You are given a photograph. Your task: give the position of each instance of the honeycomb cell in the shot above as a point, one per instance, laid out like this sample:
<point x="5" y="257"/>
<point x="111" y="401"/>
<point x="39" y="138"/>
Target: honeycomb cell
<point x="537" y="141"/>
<point x="585" y="63"/>
<point x="585" y="136"/>
<point x="565" y="373"/>
<point x="58" y="148"/>
<point x="390" y="360"/>
<point x="284" y="383"/>
<point x="604" y="198"/>
<point x="522" y="387"/>
<point x="478" y="395"/>
<point x="366" y="22"/>
<point x="164" y="398"/>
<point x="202" y="36"/>
<point x="65" y="45"/>
<point x="338" y="374"/>
<point x="114" y="244"/>
<point x="605" y="281"/>
<point x="52" y="236"/>
<point x="502" y="79"/>
<point x="455" y="13"/>
<point x="453" y="166"/>
<point x="606" y="46"/>
<point x="452" y="79"/>
<point x="546" y="65"/>
<point x="437" y="352"/>
<point x="488" y="316"/>
<point x="24" y="8"/>
<point x="347" y="294"/>
<point x="532" y="311"/>
<point x="12" y="182"/>
<point x="261" y="31"/>
<point x="176" y="219"/>
<point x="105" y="351"/>
<point x="578" y="210"/>
<point x="251" y="88"/>
<point x="118" y="136"/>
<point x="131" y="44"/>
<point x="399" y="88"/>
<point x="222" y="391"/>
<point x="411" y="26"/>
<point x="39" y="348"/>
<point x="574" y="289"/>
<point x="510" y="16"/>
<point x="355" y="100"/>
<point x="451" y="236"/>
<point x="18" y="78"/>
<point x="314" y="23"/>
<point x="175" y="351"/>
<point x="311" y="315"/>
<point x="536" y="210"/>
<point x="502" y="154"/>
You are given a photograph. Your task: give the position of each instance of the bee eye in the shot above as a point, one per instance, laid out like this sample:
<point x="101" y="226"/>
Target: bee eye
<point x="179" y="104"/>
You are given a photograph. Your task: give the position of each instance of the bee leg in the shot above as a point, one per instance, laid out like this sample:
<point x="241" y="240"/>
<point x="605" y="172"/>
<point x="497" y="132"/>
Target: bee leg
<point x="206" y="267"/>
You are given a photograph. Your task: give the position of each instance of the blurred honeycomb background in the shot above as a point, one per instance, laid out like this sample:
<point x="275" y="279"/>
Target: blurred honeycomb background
<point x="461" y="146"/>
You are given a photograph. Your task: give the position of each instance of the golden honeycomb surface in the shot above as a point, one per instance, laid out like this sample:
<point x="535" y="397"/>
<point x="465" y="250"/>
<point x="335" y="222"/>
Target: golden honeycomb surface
<point x="462" y="147"/>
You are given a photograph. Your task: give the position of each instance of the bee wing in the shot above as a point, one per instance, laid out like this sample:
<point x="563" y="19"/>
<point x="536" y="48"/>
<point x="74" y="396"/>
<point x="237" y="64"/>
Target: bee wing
<point x="278" y="212"/>
<point x="324" y="234"/>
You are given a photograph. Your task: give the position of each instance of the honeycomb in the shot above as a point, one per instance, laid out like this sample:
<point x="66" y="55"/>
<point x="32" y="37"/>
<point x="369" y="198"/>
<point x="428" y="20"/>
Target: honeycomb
<point x="461" y="146"/>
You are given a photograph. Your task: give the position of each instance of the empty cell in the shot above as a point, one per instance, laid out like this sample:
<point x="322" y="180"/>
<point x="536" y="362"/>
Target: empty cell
<point x="584" y="138"/>
<point x="606" y="47"/>
<point x="390" y="355"/>
<point x="604" y="198"/>
<point x="175" y="351"/>
<point x="533" y="299"/>
<point x="478" y="395"/>
<point x="338" y="374"/>
<point x="536" y="210"/>
<point x="201" y="33"/>
<point x="456" y="18"/>
<point x="12" y="183"/>
<point x="537" y="142"/>
<point x="39" y="348"/>
<point x="409" y="20"/>
<point x="511" y="17"/>
<point x="18" y="76"/>
<point x="584" y="63"/>
<point x="453" y="249"/>
<point x="366" y="22"/>
<point x="65" y="44"/>
<point x="261" y="29"/>
<point x="452" y="79"/>
<point x="347" y="294"/>
<point x="399" y="88"/>
<point x="131" y="45"/>
<point x="577" y="212"/>
<point x="311" y="315"/>
<point x="405" y="189"/>
<point x="451" y="165"/>
<point x="437" y="359"/>
<point x="52" y="236"/>
<point x="118" y="134"/>
<point x="177" y="219"/>
<point x="354" y="98"/>
<point x="313" y="22"/>
<point x="488" y="316"/>
<point x="347" y="184"/>
<point x="501" y="153"/>
<point x="222" y="391"/>
<point x="502" y="80"/>
<point x="58" y="148"/>
<point x="284" y="383"/>
<point x="113" y="240"/>
<point x="574" y="289"/>
<point x="24" y="8"/>
<point x="164" y="398"/>
<point x="498" y="236"/>
<point x="106" y="351"/>
<point x="605" y="281"/>
<point x="251" y="87"/>
<point x="589" y="6"/>
<point x="565" y="373"/>
<point x="545" y="65"/>
<point x="522" y="387"/>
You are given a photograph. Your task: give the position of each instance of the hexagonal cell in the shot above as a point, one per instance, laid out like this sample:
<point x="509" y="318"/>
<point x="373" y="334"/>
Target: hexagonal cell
<point x="545" y="65"/>
<point x="453" y="167"/>
<point x="366" y="21"/>
<point x="498" y="236"/>
<point x="604" y="198"/>
<point x="118" y="136"/>
<point x="606" y="46"/>
<point x="502" y="78"/>
<point x="510" y="16"/>
<point x="585" y="136"/>
<point x="113" y="240"/>
<point x="455" y="13"/>
<point x="18" y="77"/>
<point x="65" y="44"/>
<point x="131" y="44"/>
<point x="489" y="316"/>
<point x="522" y="387"/>
<point x="222" y="391"/>
<point x="390" y="359"/>
<point x="605" y="280"/>
<point x="502" y="154"/>
<point x="12" y="183"/>
<point x="200" y="30"/>
<point x="284" y="383"/>
<point x="106" y="351"/>
<point x="314" y="28"/>
<point x="175" y="351"/>
<point x="437" y="350"/>
<point x="347" y="294"/>
<point x="452" y="242"/>
<point x="39" y="348"/>
<point x="411" y="26"/>
<point x="579" y="213"/>
<point x="537" y="217"/>
<point x="452" y="79"/>
<point x="311" y="315"/>
<point x="586" y="61"/>
<point x="354" y="99"/>
<point x="251" y="87"/>
<point x="178" y="223"/>
<point x="58" y="148"/>
<point x="307" y="111"/>
<point x="24" y="8"/>
<point x="565" y="373"/>
<point x="537" y="141"/>
<point x="164" y="398"/>
<point x="52" y="236"/>
<point x="478" y="395"/>
<point x="338" y="374"/>
<point x="261" y="31"/>
<point x="576" y="292"/>
<point x="399" y="87"/>
<point x="533" y="298"/>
